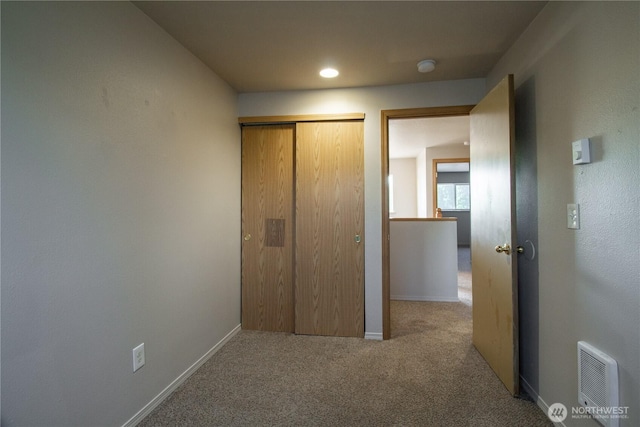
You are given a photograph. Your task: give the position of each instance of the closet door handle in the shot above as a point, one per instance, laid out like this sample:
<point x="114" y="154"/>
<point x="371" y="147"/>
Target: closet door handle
<point x="357" y="238"/>
<point x="247" y="237"/>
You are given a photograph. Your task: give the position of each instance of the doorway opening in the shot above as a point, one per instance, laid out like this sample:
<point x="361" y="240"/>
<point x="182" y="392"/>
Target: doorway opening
<point x="423" y="208"/>
<point x="451" y="199"/>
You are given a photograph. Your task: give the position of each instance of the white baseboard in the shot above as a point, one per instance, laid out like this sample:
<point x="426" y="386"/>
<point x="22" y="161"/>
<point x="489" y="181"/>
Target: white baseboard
<point x="433" y="299"/>
<point x="149" y="407"/>
<point x="539" y="400"/>
<point x="376" y="336"/>
<point x="528" y="389"/>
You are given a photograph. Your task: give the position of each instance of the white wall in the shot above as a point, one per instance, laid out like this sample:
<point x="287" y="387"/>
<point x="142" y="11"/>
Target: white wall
<point x="405" y="201"/>
<point x="370" y="101"/>
<point x="421" y="179"/>
<point x="577" y="72"/>
<point x="424" y="260"/>
<point x="120" y="211"/>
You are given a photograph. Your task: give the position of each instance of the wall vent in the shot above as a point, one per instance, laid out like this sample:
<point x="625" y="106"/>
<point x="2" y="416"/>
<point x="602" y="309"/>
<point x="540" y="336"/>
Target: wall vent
<point x="598" y="384"/>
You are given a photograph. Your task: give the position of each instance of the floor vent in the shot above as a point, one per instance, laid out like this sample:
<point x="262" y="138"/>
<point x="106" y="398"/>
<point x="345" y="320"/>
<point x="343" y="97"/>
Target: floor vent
<point x="598" y="384"/>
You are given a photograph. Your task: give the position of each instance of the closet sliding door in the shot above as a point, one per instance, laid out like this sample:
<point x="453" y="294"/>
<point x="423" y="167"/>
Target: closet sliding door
<point x="302" y="227"/>
<point x="329" y="243"/>
<point x="267" y="227"/>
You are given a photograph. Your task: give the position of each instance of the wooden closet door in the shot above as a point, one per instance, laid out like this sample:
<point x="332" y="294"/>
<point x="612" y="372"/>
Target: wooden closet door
<point x="267" y="228"/>
<point x="329" y="272"/>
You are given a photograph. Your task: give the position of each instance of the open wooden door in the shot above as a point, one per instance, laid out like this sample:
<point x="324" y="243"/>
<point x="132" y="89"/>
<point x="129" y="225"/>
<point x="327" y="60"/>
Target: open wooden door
<point x="495" y="298"/>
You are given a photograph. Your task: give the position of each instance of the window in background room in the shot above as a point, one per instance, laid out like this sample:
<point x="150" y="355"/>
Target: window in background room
<point x="453" y="197"/>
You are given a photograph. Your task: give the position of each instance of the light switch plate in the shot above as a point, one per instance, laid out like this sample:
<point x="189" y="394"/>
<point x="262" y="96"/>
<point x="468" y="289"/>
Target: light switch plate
<point x="581" y="151"/>
<point x="573" y="216"/>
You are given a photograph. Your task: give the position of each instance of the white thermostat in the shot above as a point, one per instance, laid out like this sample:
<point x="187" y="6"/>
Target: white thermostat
<point x="581" y="151"/>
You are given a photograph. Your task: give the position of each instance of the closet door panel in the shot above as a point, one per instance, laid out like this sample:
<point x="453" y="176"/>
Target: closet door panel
<point x="329" y="269"/>
<point x="267" y="228"/>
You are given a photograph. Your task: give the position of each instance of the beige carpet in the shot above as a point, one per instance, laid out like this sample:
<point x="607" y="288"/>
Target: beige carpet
<point x="428" y="374"/>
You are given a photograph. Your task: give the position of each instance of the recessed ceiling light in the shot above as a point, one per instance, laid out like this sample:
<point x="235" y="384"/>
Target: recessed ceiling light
<point x="329" y="73"/>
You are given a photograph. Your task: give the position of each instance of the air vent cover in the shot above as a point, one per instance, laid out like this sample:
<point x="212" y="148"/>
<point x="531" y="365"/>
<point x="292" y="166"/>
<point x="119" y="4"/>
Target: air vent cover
<point x="598" y="383"/>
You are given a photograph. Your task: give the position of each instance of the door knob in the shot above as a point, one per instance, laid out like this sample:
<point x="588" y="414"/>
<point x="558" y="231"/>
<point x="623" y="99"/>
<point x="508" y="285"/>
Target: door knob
<point x="247" y="237"/>
<point x="506" y="249"/>
<point x="357" y="238"/>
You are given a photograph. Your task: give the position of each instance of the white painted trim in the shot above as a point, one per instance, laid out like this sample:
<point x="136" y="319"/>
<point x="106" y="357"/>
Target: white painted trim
<point x="376" y="336"/>
<point x="528" y="389"/>
<point x="545" y="408"/>
<point x="434" y="299"/>
<point x="149" y="407"/>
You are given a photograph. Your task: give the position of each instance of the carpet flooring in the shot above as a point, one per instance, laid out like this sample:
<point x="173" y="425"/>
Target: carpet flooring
<point x="428" y="374"/>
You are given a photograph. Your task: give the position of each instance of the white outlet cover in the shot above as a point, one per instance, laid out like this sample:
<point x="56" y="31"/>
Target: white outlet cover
<point x="138" y="357"/>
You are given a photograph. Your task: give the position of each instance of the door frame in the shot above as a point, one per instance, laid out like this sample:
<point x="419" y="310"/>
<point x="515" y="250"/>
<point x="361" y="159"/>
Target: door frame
<point x="385" y="116"/>
<point x="434" y="176"/>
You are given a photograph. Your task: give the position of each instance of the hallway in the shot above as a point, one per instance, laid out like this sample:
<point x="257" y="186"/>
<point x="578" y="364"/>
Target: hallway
<point x="464" y="275"/>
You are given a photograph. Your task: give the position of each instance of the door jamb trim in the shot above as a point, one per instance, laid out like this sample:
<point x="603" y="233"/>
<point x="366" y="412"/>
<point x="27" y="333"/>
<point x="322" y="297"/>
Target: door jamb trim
<point x="385" y="116"/>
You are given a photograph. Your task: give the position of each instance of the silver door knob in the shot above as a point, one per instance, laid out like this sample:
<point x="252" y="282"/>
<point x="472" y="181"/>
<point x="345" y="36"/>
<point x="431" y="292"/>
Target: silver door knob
<point x="357" y="238"/>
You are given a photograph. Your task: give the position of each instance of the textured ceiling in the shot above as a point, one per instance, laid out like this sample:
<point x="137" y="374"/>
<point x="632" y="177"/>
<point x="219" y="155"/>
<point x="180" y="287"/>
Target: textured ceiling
<point x="260" y="46"/>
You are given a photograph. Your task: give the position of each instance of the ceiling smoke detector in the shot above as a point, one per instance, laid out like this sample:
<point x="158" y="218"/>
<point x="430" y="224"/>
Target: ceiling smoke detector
<point x="426" y="66"/>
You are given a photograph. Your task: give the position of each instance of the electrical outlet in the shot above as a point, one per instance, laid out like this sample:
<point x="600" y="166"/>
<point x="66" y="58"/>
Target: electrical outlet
<point x="573" y="216"/>
<point x="138" y="357"/>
